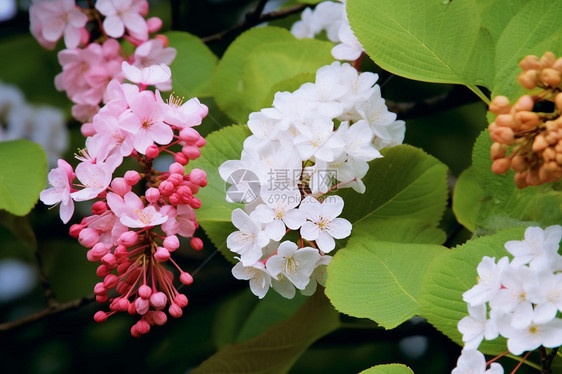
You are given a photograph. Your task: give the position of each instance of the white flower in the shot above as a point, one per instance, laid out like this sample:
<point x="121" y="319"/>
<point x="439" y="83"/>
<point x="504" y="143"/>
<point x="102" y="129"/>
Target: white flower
<point x="546" y="294"/>
<point x="319" y="141"/>
<point x="249" y="241"/>
<point x="475" y="327"/>
<point x="257" y="274"/>
<point x="318" y="276"/>
<point x="293" y="263"/>
<point x="322" y="225"/>
<point x="539" y="249"/>
<point x="350" y="49"/>
<point x="533" y="336"/>
<point x="489" y="281"/>
<point x="472" y="361"/>
<point x="279" y="210"/>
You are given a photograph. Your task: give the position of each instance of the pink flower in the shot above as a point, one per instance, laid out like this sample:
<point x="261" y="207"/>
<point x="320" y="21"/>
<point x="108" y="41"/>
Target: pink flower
<point x="94" y="177"/>
<point x="144" y="121"/>
<point x="147" y="76"/>
<point x="132" y="212"/>
<point x="182" y="220"/>
<point x="152" y="52"/>
<point x="121" y="15"/>
<point x="57" y="18"/>
<point x="61" y="181"/>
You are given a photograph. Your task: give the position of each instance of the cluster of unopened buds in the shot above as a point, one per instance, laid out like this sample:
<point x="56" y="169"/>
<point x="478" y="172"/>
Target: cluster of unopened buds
<point x="520" y="300"/>
<point x="137" y="218"/>
<point x="309" y="143"/>
<point x="531" y="129"/>
<point x="93" y="56"/>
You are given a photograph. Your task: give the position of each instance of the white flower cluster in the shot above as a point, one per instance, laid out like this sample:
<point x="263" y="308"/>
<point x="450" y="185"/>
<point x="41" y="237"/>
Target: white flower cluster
<point x="44" y="125"/>
<point x="310" y="142"/>
<point x="330" y="17"/>
<point x="524" y="296"/>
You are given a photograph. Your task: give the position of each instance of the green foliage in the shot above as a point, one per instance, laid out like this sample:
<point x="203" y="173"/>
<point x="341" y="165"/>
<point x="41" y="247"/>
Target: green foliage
<point x="276" y="349"/>
<point x="214" y="214"/>
<point x="388" y="369"/>
<point x="193" y="66"/>
<point x="486" y="202"/>
<point x="454" y="273"/>
<point x="23" y="173"/>
<point x="257" y="61"/>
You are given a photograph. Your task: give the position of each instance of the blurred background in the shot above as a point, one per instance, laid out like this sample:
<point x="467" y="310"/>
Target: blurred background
<point x="72" y="342"/>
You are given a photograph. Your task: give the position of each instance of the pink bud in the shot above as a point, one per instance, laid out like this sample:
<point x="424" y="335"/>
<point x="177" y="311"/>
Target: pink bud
<point x="162" y="254"/>
<point x="195" y="203"/>
<point x="88" y="237"/>
<point x="164" y="39"/>
<point x="110" y="48"/>
<point x="201" y="142"/>
<point x="158" y="300"/>
<point x="102" y="271"/>
<point x="120" y="252"/>
<point x="177" y="168"/>
<point x="108" y="259"/>
<point x="120" y="187"/>
<point x="122" y="304"/>
<point x="154" y="24"/>
<point x="84" y="36"/>
<point x="181" y="300"/>
<point x="192" y="186"/>
<point x="152" y="151"/>
<point x="189" y="136"/>
<point x="191" y="152"/>
<point x="171" y="243"/>
<point x="100" y="316"/>
<point x="110" y="281"/>
<point x="131" y="309"/>
<point x="99" y="207"/>
<point x="128" y="238"/>
<point x="145" y="291"/>
<point x="166" y="188"/>
<point x="175" y="199"/>
<point x="141" y="305"/>
<point x="152" y="195"/>
<point x="102" y="298"/>
<point x="175" y="179"/>
<point x="186" y="278"/>
<point x="132" y="177"/>
<point x="143" y="8"/>
<point x="75" y="230"/>
<point x="142" y="327"/>
<point x="99" y="289"/>
<point x="198" y="177"/>
<point x="175" y="311"/>
<point x="122" y="288"/>
<point x="181" y="158"/>
<point x="98" y="251"/>
<point x="196" y="243"/>
<point x="122" y="267"/>
<point x="159" y="318"/>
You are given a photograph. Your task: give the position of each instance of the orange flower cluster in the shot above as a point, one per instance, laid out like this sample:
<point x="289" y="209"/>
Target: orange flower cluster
<point x="531" y="129"/>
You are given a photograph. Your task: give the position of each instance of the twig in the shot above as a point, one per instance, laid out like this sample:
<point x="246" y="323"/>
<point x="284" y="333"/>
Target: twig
<point x="546" y="359"/>
<point x="252" y="20"/>
<point x="457" y="96"/>
<point x="49" y="311"/>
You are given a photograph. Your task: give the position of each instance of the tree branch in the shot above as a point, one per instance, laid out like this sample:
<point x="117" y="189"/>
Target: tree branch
<point x="252" y="19"/>
<point x="457" y="96"/>
<point x="53" y="309"/>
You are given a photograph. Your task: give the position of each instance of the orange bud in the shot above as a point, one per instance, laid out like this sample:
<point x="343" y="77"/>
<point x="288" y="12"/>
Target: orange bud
<point x="520" y="180"/>
<point x="549" y="154"/>
<point x="525" y="102"/>
<point x="558" y="64"/>
<point x="498" y="150"/>
<point x="530" y="62"/>
<point x="503" y="135"/>
<point x="547" y="59"/>
<point x="558" y="101"/>
<point x="519" y="163"/>
<point x="526" y="120"/>
<point x="500" y="105"/>
<point x="528" y="79"/>
<point x="501" y="166"/>
<point x="550" y="76"/>
<point x="532" y="178"/>
<point x="559" y="158"/>
<point x="539" y="143"/>
<point x="505" y="120"/>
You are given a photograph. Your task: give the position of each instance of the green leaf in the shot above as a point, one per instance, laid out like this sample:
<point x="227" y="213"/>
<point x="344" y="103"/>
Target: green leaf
<point x="379" y="280"/>
<point x="215" y="212"/>
<point x="494" y="202"/>
<point x="426" y="40"/>
<point x="193" y="66"/>
<point x="400" y="230"/>
<point x="258" y="60"/>
<point x="23" y="173"/>
<point x="244" y="316"/>
<point x="452" y="274"/>
<point x="275" y="350"/>
<point x="388" y="369"/>
<point x="405" y="183"/>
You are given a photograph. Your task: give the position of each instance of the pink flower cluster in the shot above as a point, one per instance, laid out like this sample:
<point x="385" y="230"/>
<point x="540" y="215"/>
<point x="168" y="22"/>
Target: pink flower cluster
<point x="88" y="70"/>
<point x="137" y="218"/>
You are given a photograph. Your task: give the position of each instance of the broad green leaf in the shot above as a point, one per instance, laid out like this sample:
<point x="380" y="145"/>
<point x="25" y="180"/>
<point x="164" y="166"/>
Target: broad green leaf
<point x="275" y="350"/>
<point x="400" y="230"/>
<point x="23" y="173"/>
<point x="533" y="29"/>
<point x="379" y="280"/>
<point x="405" y="183"/>
<point x="215" y="212"/>
<point x="193" y="66"/>
<point x="244" y="316"/>
<point x="496" y="201"/>
<point x="259" y="59"/>
<point x="388" y="369"/>
<point x="467" y="199"/>
<point x="452" y="274"/>
<point x="426" y="40"/>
